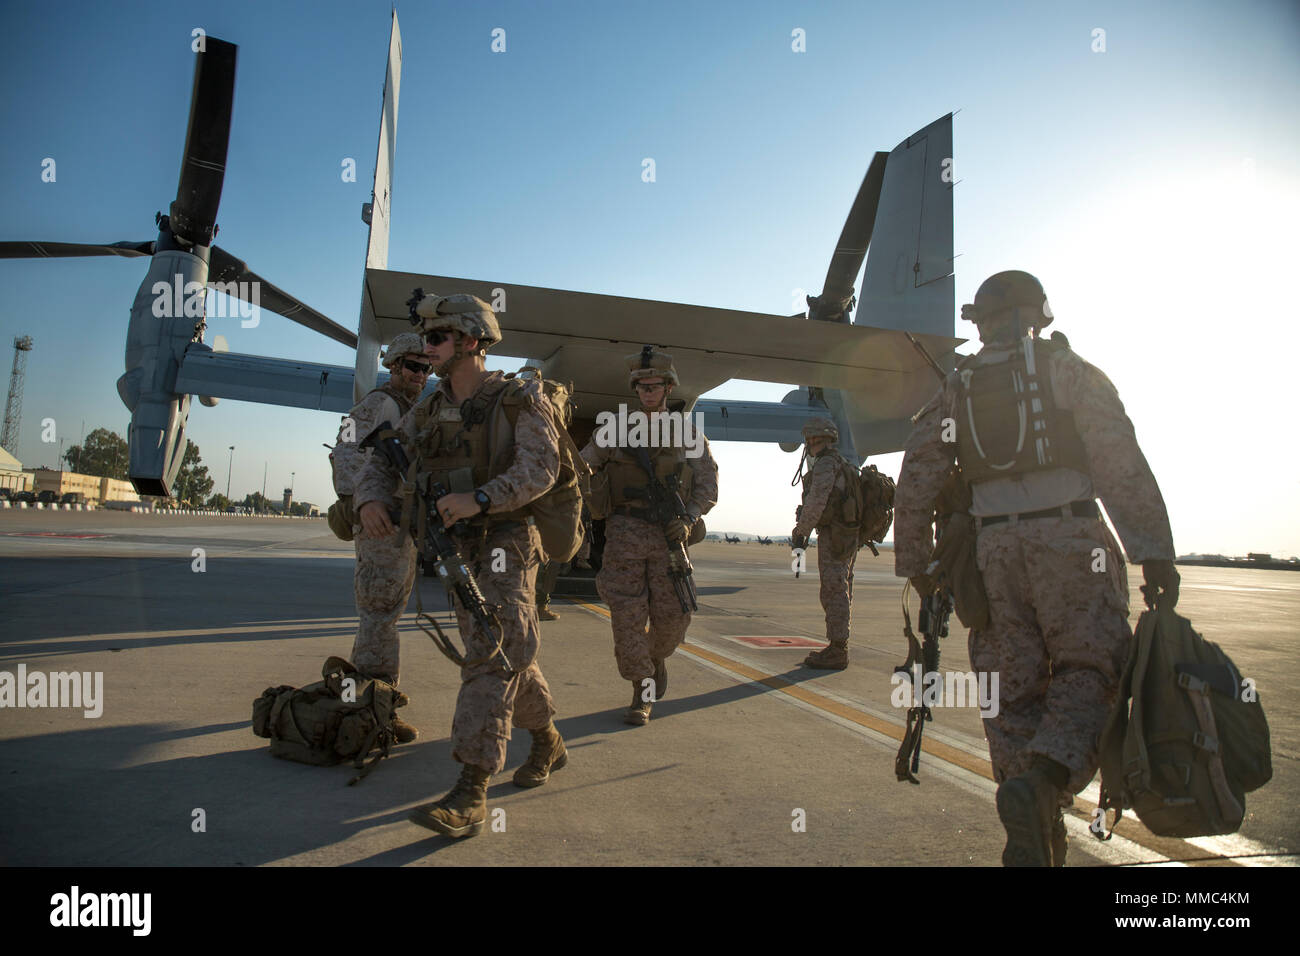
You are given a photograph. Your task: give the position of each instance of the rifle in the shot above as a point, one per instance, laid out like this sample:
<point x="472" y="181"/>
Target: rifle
<point x="435" y="543"/>
<point x="932" y="622"/>
<point x="664" y="503"/>
<point x="800" y="543"/>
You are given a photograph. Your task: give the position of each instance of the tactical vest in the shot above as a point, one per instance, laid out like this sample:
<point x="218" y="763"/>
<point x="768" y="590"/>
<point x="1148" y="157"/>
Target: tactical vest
<point x="841" y="505"/>
<point x="462" y="448"/>
<point x="627" y="479"/>
<point x="837" y="528"/>
<point x="404" y="404"/>
<point x="340" y="517"/>
<point x="1007" y="420"/>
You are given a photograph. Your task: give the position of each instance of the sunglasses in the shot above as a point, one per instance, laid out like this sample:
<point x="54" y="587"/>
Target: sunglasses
<point x="437" y="336"/>
<point x="419" y="368"/>
<point x="649" y="386"/>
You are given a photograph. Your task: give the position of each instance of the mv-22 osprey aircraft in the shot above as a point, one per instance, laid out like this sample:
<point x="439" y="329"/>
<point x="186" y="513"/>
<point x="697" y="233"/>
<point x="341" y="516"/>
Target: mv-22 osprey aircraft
<point x="867" y="377"/>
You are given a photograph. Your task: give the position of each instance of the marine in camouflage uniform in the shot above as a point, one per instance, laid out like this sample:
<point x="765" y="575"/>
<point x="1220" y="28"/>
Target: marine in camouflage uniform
<point x="825" y="490"/>
<point x="385" y="569"/>
<point x="633" y="580"/>
<point x="1058" y="634"/>
<point x="503" y="456"/>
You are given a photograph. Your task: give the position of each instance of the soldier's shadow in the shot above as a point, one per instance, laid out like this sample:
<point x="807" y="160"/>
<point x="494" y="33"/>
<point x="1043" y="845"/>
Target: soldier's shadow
<point x="95" y="797"/>
<point x="611" y="721"/>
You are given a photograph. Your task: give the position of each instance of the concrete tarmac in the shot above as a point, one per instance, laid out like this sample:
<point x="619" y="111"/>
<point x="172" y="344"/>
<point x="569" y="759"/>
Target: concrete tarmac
<point x="750" y="760"/>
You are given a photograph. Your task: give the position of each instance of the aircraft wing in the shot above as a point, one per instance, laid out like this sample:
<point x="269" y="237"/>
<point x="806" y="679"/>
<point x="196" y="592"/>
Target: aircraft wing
<point x="583" y="337"/>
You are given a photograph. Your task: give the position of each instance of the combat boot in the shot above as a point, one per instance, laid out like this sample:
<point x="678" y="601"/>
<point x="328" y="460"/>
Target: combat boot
<point x="638" y="714"/>
<point x="544" y="613"/>
<point x="660" y="677"/>
<point x="1028" y="805"/>
<point x="547" y="756"/>
<point x="832" y="657"/>
<point x="402" y="731"/>
<point x="462" y="811"/>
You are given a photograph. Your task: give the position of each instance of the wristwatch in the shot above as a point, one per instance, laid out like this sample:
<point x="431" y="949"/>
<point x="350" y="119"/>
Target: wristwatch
<point x="484" y="502"/>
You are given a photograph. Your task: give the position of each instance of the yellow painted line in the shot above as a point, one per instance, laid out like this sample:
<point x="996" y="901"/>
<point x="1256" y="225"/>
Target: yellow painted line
<point x="934" y="747"/>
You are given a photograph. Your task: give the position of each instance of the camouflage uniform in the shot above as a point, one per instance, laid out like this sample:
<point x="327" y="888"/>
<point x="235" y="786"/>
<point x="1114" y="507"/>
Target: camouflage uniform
<point x="633" y="579"/>
<point x="546" y="580"/>
<point x="826" y="484"/>
<point x="385" y="570"/>
<point x="1058" y="633"/>
<point x="491" y="695"/>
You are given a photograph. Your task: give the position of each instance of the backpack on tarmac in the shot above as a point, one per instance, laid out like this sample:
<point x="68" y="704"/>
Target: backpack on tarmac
<point x="1186" y="739"/>
<point x="345" y="716"/>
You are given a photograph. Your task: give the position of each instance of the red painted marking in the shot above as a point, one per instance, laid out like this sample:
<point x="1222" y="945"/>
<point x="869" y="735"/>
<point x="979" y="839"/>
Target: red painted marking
<point x="49" y="534"/>
<point x="778" y="641"/>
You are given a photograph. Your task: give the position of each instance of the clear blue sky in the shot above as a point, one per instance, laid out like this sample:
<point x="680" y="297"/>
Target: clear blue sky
<point x="1153" y="187"/>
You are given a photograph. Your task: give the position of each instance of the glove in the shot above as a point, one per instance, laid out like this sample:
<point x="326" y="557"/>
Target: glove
<point x="1161" y="583"/>
<point x="679" y="529"/>
<point x="923" y="584"/>
<point x="797" y="540"/>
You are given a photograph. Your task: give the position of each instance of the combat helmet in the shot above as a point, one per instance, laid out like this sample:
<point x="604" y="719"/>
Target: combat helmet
<point x="403" y="344"/>
<point x="463" y="312"/>
<point x="1008" y="290"/>
<point x="647" y="364"/>
<point x="819" y="427"/>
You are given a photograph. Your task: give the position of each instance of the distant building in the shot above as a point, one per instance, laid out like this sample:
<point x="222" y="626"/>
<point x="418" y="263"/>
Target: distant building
<point x="12" y="475"/>
<point x="96" y="489"/>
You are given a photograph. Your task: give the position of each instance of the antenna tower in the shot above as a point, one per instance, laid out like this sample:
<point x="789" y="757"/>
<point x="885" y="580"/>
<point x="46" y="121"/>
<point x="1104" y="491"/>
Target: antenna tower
<point x="14" y="403"/>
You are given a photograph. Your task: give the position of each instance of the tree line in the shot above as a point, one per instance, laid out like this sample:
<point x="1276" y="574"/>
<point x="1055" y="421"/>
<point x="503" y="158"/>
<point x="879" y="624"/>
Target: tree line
<point x="105" y="454"/>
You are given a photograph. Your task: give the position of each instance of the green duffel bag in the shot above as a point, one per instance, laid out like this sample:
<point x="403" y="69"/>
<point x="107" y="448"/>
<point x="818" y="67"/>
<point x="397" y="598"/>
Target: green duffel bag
<point x="1186" y="739"/>
<point x="345" y="716"/>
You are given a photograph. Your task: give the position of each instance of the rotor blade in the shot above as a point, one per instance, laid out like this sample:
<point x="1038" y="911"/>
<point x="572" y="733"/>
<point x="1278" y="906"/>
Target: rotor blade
<point x="61" y="250"/>
<point x="194" y="213"/>
<point x="851" y="250"/>
<point x="234" y="278"/>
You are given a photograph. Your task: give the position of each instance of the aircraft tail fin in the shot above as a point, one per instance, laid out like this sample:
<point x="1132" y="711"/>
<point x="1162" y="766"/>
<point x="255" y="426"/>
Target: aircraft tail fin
<point x="377" y="214"/>
<point x="908" y="282"/>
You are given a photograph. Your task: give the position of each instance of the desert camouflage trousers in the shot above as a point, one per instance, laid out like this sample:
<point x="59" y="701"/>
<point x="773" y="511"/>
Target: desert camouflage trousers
<point x="1058" y="638"/>
<point x="384" y="575"/>
<point x="546" y="580"/>
<point x="492" y="696"/>
<point x="836" y="592"/>
<point x="633" y="582"/>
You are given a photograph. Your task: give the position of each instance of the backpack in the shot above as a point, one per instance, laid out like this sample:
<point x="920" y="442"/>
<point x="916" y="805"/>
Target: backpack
<point x="340" y="517"/>
<point x="1192" y="742"/>
<point x="317" y="725"/>
<point x="557" y="513"/>
<point x="864" y="512"/>
<point x="876" y="512"/>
